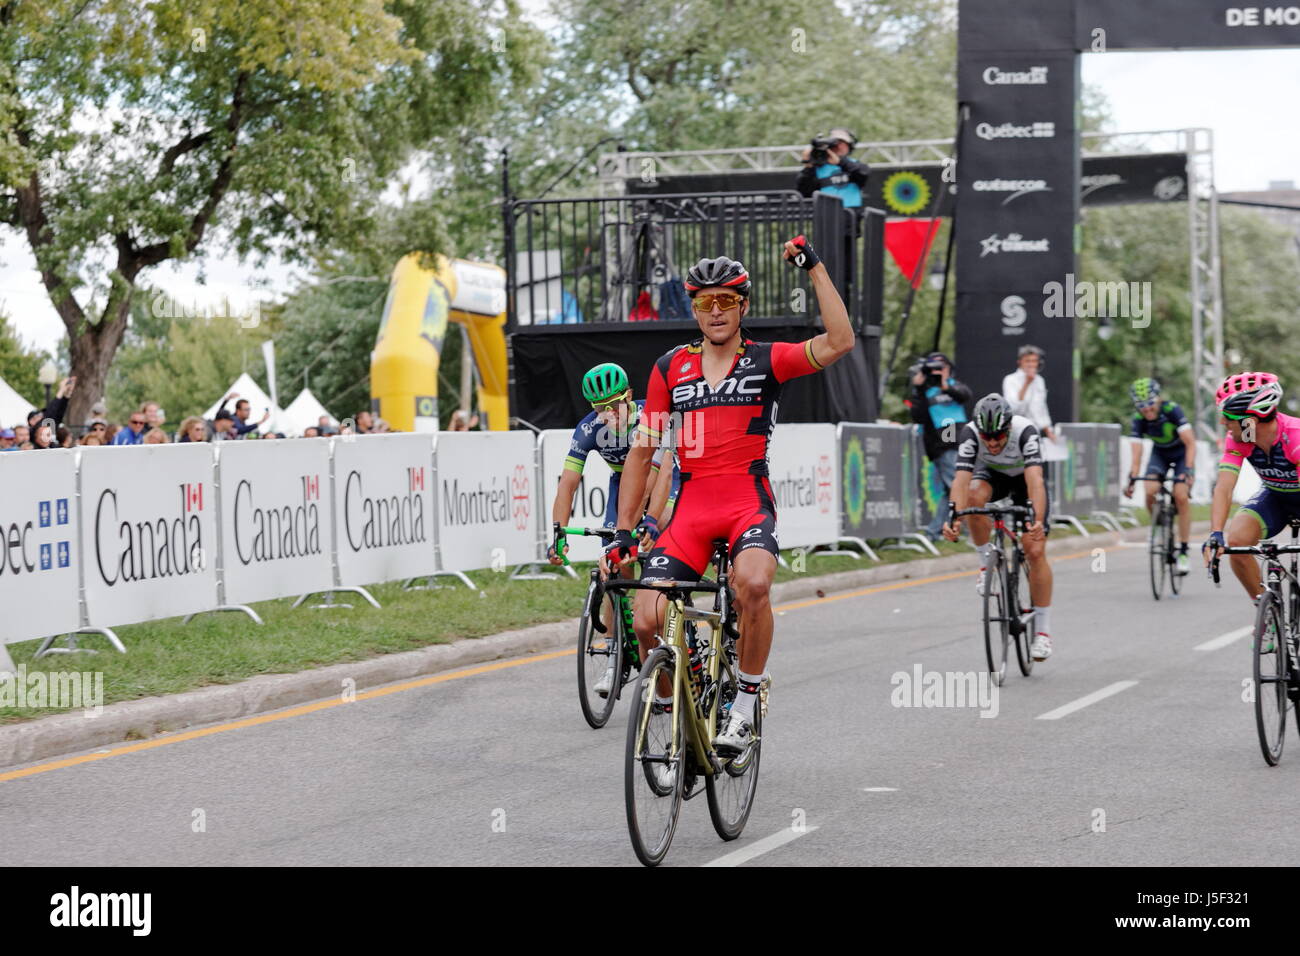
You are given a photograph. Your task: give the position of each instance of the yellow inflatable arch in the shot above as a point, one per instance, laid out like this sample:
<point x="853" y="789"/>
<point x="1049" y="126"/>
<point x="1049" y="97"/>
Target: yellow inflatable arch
<point x="408" y="349"/>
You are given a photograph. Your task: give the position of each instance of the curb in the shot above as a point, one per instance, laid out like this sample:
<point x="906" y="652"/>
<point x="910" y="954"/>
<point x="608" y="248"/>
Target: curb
<point x="62" y="734"/>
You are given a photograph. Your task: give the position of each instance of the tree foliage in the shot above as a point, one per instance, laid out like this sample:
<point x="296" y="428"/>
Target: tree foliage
<point x="141" y="132"/>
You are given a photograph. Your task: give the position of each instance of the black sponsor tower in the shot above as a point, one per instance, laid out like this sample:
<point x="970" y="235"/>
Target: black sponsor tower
<point x="1018" y="172"/>
<point x="1017" y="196"/>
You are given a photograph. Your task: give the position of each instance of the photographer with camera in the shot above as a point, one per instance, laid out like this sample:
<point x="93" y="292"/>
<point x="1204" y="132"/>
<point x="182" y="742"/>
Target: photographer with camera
<point x="828" y="167"/>
<point x="938" y="403"/>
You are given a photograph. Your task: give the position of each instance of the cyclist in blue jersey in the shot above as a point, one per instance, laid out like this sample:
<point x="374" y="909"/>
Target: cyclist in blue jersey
<point x="609" y="430"/>
<point x="1173" y="446"/>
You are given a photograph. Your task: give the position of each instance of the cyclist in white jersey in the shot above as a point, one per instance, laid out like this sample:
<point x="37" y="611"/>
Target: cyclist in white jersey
<point x="999" y="455"/>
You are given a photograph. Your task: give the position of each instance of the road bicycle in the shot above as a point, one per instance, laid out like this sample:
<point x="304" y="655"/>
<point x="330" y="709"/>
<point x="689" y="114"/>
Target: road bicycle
<point x="1008" y="607"/>
<point x="1274" y="642"/>
<point x="1162" y="546"/>
<point x="605" y="639"/>
<point x="670" y="745"/>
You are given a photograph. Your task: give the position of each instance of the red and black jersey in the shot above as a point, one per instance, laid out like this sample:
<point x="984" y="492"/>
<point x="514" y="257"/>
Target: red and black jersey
<point x="722" y="431"/>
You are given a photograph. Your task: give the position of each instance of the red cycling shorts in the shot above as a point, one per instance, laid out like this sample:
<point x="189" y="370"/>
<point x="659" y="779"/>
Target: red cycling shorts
<point x="739" y="509"/>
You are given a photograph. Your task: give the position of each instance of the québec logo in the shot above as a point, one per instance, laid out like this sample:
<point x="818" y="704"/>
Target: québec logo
<point x="988" y="131"/>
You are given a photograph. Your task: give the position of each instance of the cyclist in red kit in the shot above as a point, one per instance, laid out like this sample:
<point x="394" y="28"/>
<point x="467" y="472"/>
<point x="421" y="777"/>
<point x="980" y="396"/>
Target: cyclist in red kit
<point x="720" y="393"/>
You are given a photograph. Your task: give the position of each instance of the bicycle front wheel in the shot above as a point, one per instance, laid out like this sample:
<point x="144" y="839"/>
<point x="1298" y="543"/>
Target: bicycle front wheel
<point x="996" y="632"/>
<point x="597" y="653"/>
<point x="1171" y="554"/>
<point x="731" y="793"/>
<point x="1022" y="615"/>
<point x="1270" y="652"/>
<point x="1156" y="553"/>
<point x="653" y="773"/>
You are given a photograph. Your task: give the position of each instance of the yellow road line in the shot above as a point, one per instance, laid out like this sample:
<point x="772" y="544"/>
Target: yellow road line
<point x="165" y="739"/>
<point x="277" y="715"/>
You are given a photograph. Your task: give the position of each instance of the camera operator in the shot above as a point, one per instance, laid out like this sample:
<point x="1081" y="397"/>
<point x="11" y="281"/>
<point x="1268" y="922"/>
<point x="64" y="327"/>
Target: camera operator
<point x="828" y="167"/>
<point x="938" y="403"/>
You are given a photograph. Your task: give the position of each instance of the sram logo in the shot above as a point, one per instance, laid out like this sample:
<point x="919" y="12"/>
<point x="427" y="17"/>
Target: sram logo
<point x="693" y="391"/>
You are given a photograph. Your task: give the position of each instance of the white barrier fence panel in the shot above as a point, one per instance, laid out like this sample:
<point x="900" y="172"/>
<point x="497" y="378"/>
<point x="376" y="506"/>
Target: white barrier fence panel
<point x="804" y="473"/>
<point x="383" y="507"/>
<point x="588" y="504"/>
<point x="39" y="546"/>
<point x="149" y="532"/>
<point x="276" y="520"/>
<point x="486" y="500"/>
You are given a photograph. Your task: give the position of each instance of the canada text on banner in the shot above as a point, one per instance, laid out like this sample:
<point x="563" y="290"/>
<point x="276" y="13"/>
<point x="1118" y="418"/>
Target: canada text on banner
<point x="149" y="532"/>
<point x="276" y="520"/>
<point x="383" y="507"/>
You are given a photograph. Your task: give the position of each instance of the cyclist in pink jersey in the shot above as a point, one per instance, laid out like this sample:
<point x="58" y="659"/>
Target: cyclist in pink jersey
<point x="1270" y="441"/>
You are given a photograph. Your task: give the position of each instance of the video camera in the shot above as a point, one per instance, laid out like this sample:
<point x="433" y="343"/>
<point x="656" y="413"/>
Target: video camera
<point x="820" y="151"/>
<point x="933" y="369"/>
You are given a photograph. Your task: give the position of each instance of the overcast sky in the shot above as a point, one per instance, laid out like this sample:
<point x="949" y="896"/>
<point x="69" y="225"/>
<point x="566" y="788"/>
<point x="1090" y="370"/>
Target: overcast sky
<point x="1250" y="99"/>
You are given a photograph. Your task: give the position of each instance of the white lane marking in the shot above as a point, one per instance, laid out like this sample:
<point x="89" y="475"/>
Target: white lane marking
<point x="1223" y="640"/>
<point x="879" y="789"/>
<point x="1134" y="544"/>
<point x="759" y="847"/>
<point x="1083" y="702"/>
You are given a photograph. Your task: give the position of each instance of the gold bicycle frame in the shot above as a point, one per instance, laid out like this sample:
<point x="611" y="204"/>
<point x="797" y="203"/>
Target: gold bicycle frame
<point x="697" y="723"/>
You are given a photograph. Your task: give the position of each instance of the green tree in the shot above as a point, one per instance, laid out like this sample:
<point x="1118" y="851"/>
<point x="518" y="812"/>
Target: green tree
<point x="20" y="364"/>
<point x="137" y="133"/>
<point x="183" y="362"/>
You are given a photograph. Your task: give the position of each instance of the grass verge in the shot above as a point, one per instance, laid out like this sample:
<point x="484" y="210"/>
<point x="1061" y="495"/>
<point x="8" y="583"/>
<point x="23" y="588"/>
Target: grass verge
<point x="167" y="657"/>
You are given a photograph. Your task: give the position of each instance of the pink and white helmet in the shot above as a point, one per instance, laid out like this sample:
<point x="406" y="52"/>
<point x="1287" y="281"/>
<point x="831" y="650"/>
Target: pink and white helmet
<point x="1256" y="394"/>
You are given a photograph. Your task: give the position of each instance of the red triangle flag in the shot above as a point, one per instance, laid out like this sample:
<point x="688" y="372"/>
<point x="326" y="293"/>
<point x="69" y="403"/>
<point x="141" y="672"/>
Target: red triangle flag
<point x="908" y="241"/>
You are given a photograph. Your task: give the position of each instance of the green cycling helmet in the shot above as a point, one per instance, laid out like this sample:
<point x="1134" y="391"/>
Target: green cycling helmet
<point x="1144" y="390"/>
<point x="604" y="382"/>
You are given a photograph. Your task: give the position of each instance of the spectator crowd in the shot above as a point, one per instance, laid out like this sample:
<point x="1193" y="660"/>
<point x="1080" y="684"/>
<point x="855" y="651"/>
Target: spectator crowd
<point x="146" y="425"/>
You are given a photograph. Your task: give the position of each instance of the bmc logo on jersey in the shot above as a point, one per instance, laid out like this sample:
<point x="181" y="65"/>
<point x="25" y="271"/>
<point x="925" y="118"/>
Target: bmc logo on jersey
<point x="694" y="391"/>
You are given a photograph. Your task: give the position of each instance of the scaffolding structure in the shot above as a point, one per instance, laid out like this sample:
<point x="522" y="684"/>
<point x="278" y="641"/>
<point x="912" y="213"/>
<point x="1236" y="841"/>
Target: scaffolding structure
<point x="1206" y="288"/>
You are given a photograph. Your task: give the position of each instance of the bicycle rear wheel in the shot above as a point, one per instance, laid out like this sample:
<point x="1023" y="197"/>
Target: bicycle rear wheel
<point x="1022" y="615"/>
<point x="731" y="793"/>
<point x="1156" y="553"/>
<point x="653" y="796"/>
<point x="1269" y="649"/>
<point x="596" y="653"/>
<point x="997" y="636"/>
<point x="1171" y="553"/>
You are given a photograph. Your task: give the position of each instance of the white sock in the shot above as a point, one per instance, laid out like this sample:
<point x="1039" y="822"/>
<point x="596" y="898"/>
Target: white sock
<point x="1042" y="620"/>
<point x="744" y="704"/>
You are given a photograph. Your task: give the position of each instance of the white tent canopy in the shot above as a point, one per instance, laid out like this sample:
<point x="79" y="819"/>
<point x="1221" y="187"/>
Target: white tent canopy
<point x="259" y="402"/>
<point x="13" y="407"/>
<point x="303" y="412"/>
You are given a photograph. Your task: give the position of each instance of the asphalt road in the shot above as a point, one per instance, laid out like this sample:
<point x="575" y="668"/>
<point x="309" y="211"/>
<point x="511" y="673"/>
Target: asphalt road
<point x="498" y="767"/>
